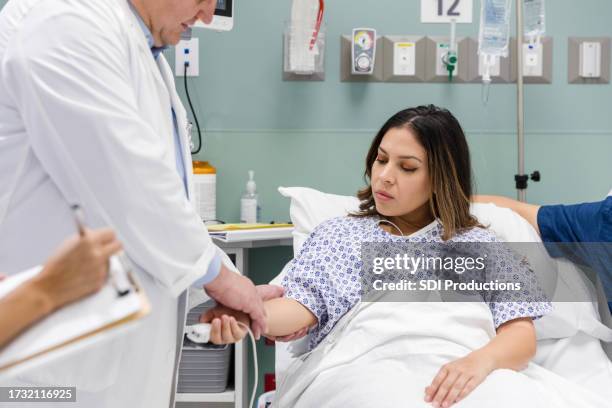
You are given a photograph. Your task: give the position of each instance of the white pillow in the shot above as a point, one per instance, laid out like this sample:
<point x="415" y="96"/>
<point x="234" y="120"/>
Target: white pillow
<point x="311" y="207"/>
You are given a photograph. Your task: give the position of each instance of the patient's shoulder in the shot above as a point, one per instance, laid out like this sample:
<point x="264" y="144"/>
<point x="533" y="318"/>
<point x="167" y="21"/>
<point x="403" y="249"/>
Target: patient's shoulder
<point x="344" y="226"/>
<point x="475" y="234"/>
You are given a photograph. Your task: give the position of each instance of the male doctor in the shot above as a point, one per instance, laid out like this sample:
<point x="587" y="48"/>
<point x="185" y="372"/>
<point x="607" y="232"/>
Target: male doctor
<point x="89" y="115"/>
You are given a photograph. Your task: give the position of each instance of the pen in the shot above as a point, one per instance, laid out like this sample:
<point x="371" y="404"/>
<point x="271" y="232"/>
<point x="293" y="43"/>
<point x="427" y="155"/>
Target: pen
<point x="79" y="218"/>
<point x="118" y="277"/>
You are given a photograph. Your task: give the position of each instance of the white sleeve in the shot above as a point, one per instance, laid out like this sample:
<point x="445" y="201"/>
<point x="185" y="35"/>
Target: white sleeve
<point x="70" y="83"/>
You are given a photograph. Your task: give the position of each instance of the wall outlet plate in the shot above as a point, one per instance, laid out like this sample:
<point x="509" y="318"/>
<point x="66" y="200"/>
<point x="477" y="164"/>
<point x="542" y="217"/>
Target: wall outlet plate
<point x="404" y="58"/>
<point x="532" y="60"/>
<point x="187" y="51"/>
<point x="573" y="63"/>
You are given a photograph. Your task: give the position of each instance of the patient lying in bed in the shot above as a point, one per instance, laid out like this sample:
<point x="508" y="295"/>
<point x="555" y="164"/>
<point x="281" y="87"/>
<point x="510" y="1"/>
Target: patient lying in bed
<point x="420" y="183"/>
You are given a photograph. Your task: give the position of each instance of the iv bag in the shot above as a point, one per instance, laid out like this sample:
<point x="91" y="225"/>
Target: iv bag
<point x="535" y="19"/>
<point x="494" y="33"/>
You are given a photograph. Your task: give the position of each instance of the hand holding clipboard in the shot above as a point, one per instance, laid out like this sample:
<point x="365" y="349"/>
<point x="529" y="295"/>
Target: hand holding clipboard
<point x="78" y="269"/>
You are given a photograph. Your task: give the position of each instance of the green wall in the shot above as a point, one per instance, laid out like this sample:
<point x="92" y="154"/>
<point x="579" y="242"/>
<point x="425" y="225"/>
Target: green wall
<point x="316" y="134"/>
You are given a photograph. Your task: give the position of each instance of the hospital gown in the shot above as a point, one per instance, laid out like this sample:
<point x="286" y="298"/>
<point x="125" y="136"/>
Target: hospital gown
<point x="326" y="275"/>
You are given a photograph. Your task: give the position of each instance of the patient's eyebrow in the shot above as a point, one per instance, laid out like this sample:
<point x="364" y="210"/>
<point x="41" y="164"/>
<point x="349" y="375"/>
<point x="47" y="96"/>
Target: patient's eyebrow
<point x="401" y="157"/>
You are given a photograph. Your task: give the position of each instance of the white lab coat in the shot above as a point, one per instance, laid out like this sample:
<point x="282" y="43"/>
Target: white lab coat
<point x="85" y="117"/>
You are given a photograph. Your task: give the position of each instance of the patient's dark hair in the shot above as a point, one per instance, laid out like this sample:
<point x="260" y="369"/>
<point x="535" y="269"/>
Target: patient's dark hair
<point x="448" y="160"/>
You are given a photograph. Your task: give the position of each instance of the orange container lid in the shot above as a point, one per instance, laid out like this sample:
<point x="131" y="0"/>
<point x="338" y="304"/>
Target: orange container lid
<point x="203" y="167"/>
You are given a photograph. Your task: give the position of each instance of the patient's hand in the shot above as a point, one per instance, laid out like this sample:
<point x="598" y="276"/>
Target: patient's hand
<point x="224" y="324"/>
<point x="458" y="378"/>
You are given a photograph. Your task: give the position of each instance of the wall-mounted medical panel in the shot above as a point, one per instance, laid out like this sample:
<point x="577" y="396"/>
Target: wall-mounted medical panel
<point x="404" y="58"/>
<point x="537" y="61"/>
<point x="435" y="69"/>
<point x="500" y="72"/>
<point x="346" y="60"/>
<point x="588" y="60"/>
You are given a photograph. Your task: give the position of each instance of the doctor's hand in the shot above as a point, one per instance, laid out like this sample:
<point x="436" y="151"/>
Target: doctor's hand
<point x="458" y="378"/>
<point x="268" y="292"/>
<point x="78" y="268"/>
<point x="237" y="292"/>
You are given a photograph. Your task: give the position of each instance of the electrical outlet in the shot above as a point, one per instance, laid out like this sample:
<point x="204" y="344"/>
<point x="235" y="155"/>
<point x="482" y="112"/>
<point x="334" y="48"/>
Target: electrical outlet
<point x="533" y="60"/>
<point x="186" y="52"/>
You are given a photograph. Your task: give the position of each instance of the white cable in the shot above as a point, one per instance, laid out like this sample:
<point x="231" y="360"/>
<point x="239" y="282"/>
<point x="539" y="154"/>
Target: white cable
<point x="254" y="362"/>
<point x="396" y="227"/>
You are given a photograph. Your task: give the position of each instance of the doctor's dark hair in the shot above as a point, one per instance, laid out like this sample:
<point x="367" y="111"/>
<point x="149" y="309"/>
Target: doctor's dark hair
<point x="448" y="161"/>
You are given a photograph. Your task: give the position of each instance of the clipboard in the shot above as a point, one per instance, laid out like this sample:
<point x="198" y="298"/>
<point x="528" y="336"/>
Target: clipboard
<point x="84" y="319"/>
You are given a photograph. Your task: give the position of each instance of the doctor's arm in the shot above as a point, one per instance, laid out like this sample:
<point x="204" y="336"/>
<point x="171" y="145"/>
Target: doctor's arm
<point x="77" y="269"/>
<point x="525" y="210"/>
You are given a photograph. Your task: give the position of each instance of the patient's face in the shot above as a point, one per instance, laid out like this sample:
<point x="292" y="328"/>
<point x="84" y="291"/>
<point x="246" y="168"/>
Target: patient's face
<point x="400" y="175"/>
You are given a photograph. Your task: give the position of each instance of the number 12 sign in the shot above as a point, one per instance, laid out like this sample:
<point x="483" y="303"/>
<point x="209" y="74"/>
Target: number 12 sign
<point x="443" y="11"/>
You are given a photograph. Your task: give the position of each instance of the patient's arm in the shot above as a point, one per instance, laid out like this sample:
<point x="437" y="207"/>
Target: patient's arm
<point x="512" y="348"/>
<point x="283" y="317"/>
<point x="525" y="210"/>
<point x="287" y="316"/>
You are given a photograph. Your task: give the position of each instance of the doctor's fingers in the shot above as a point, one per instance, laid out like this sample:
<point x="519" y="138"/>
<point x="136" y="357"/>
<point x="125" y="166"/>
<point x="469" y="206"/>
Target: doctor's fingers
<point x="253" y="306"/>
<point x="102" y="235"/>
<point x="267" y="292"/>
<point x="294" y="336"/>
<point x="109" y="250"/>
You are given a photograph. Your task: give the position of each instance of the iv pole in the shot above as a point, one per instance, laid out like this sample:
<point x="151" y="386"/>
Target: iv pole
<point x="520" y="109"/>
<point x="521" y="178"/>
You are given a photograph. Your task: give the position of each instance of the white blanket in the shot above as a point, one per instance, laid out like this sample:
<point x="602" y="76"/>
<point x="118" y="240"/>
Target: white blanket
<point x="385" y="354"/>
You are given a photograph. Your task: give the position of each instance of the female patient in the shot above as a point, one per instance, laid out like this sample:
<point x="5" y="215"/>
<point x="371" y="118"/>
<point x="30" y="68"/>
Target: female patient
<point x="418" y="168"/>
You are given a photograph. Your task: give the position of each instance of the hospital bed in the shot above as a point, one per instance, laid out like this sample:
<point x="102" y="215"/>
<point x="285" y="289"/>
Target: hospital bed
<point x="575" y="341"/>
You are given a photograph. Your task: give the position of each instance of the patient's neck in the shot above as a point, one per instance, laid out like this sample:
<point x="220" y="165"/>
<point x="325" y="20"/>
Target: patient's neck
<point x="411" y="222"/>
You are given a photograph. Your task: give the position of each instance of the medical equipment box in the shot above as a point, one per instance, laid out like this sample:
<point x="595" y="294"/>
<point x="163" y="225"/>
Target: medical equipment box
<point x="204" y="368"/>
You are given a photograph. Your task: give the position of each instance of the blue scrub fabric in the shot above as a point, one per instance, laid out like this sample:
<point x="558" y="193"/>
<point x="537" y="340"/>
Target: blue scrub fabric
<point x="589" y="226"/>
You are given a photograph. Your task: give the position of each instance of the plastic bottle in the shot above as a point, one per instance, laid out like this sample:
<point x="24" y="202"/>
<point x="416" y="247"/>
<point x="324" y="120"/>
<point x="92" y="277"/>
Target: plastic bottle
<point x="205" y="190"/>
<point x="493" y="38"/>
<point x="494" y="33"/>
<point x="249" y="205"/>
